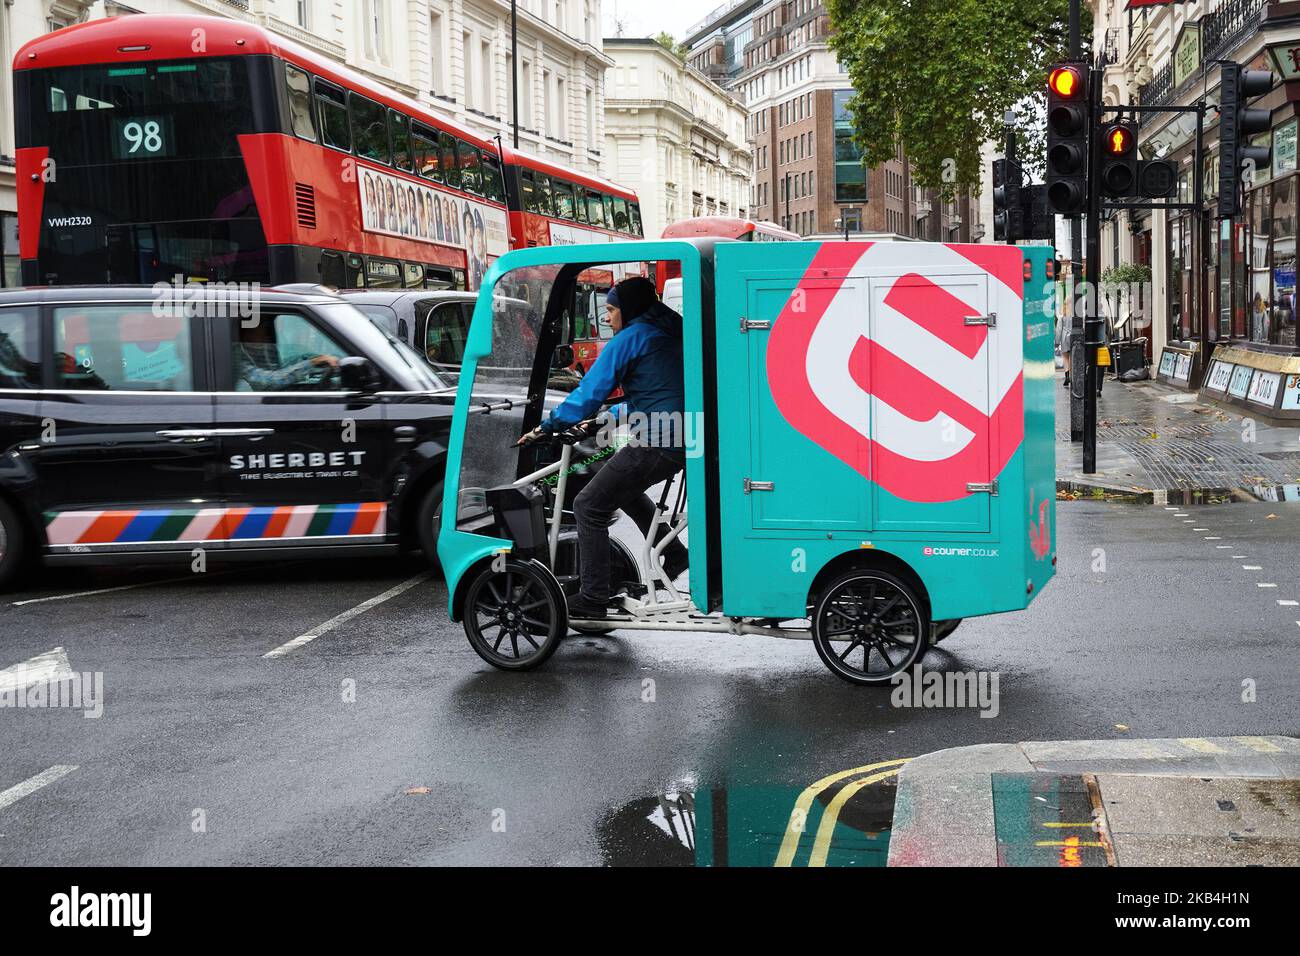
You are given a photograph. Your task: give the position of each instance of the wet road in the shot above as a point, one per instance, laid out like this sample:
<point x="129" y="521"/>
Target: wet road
<point x="386" y="740"/>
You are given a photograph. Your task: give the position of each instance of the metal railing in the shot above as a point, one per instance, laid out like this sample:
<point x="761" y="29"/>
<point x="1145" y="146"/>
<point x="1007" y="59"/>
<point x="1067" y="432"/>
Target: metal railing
<point x="1227" y="26"/>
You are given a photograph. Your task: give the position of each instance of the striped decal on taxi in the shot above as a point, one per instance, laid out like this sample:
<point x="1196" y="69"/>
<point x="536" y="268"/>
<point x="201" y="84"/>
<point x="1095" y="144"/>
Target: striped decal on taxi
<point x="167" y="525"/>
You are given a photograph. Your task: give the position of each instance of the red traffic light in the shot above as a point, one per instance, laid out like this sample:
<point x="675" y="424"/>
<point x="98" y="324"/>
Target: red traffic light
<point x="1118" y="140"/>
<point x="1065" y="81"/>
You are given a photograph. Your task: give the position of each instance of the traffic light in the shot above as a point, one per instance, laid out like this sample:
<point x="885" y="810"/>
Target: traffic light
<point x="1008" y="215"/>
<point x="1067" y="140"/>
<point x="1237" y="124"/>
<point x="1118" y="160"/>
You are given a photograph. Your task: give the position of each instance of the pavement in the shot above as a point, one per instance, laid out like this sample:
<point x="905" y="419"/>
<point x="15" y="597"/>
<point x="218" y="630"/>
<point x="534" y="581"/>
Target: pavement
<point x="1160" y="444"/>
<point x="1219" y="801"/>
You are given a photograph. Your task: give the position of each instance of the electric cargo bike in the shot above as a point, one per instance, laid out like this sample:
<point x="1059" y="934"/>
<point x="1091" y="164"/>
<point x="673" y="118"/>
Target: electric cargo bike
<point x="869" y="450"/>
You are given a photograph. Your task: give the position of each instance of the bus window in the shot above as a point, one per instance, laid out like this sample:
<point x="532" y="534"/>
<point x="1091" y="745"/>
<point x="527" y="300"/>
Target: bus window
<point x="356" y="269"/>
<point x="424" y="143"/>
<point x="332" y="108"/>
<point x="493" y="187"/>
<point x="412" y="275"/>
<point x="299" y="86"/>
<point x="469" y="163"/>
<point x="595" y="208"/>
<point x="332" y="272"/>
<point x="545" y="203"/>
<point x="383" y="274"/>
<point x="399" y="130"/>
<point x="370" y="130"/>
<point x="450" y="170"/>
<point x="458" y="279"/>
<point x="528" y="190"/>
<point x="563" y="198"/>
<point x="634" y="217"/>
<point x="620" y="214"/>
<point x="438" y="277"/>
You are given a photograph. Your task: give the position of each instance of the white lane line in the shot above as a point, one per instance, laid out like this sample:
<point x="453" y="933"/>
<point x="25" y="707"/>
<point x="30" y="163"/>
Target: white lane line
<point x="125" y="587"/>
<point x="50" y="666"/>
<point x="1259" y="585"/>
<point x="1251" y="567"/>
<point x="1238" y="556"/>
<point x="1200" y="529"/>
<point x="1214" y="537"/>
<point x="1287" y="603"/>
<point x="1222" y="547"/>
<point x="30" y="786"/>
<point x="347" y="615"/>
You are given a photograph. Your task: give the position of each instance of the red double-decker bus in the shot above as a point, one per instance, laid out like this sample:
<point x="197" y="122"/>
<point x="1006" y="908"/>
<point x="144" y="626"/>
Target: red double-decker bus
<point x="729" y="227"/>
<point x="553" y="206"/>
<point x="153" y="146"/>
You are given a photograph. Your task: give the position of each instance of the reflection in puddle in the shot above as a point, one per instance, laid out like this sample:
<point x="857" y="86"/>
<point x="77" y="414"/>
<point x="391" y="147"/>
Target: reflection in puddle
<point x="746" y="826"/>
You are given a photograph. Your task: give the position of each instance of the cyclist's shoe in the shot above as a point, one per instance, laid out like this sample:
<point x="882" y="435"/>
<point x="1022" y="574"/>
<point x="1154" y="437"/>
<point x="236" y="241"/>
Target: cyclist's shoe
<point x="581" y="610"/>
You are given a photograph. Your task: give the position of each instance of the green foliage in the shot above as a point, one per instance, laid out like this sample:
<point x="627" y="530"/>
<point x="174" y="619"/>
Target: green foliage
<point x="665" y="40"/>
<point x="1126" y="274"/>
<point x="937" y="76"/>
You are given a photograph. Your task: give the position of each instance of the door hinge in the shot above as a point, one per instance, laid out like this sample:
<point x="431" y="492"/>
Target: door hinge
<point x="747" y="324"/>
<point x="991" y="320"/>
<point x="988" y="486"/>
<point x="758" y="486"/>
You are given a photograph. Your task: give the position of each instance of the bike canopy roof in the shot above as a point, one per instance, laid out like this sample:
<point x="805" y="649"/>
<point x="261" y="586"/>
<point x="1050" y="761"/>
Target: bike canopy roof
<point x="508" y="375"/>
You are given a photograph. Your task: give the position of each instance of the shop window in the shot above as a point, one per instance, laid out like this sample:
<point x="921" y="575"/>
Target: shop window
<point x="1283" y="229"/>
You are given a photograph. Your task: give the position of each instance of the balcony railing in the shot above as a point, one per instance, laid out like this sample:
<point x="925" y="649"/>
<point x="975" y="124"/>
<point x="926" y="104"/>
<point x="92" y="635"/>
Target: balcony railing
<point x="1156" y="93"/>
<point x="1227" y="26"/>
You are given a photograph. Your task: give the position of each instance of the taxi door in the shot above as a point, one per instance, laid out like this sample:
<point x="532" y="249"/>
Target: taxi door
<point x="304" y="461"/>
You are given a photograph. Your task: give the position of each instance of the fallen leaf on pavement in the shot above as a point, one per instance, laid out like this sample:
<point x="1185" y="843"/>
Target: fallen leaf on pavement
<point x="1121" y="726"/>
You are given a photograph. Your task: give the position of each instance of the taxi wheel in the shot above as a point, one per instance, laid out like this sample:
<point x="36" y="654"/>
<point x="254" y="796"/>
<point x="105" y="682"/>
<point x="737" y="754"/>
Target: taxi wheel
<point x="515" y="617"/>
<point x="869" y="626"/>
<point x="428" y="521"/>
<point x="12" y="543"/>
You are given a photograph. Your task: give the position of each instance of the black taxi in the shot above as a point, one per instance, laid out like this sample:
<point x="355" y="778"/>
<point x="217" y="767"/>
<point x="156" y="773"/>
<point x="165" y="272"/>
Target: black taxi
<point x="143" y="423"/>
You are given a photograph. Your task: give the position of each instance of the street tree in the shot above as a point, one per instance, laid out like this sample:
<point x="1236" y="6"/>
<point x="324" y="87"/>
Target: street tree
<point x="937" y="78"/>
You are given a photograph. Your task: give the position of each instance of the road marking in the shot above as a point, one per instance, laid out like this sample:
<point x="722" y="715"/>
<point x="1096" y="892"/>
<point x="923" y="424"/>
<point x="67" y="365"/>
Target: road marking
<point x="1201" y="746"/>
<point x="1259" y="585"/>
<point x="825" y="829"/>
<point x="1201" y="529"/>
<point x="347" y="615"/>
<point x="1251" y="567"/>
<point x="1287" y="603"/>
<point x="1181" y="514"/>
<point x="125" y="587"/>
<point x="793" y="832"/>
<point x="1222" y="547"/>
<point x="1238" y="556"/>
<point x="1215" y="537"/>
<point x="43" y="668"/>
<point x="28" y="787"/>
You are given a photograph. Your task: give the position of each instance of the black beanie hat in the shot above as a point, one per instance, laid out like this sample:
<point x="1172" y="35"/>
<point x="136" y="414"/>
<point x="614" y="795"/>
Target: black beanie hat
<point x="634" y="296"/>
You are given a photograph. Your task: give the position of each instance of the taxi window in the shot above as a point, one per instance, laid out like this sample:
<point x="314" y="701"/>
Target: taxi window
<point x="123" y="348"/>
<point x="19" y="351"/>
<point x="284" y="353"/>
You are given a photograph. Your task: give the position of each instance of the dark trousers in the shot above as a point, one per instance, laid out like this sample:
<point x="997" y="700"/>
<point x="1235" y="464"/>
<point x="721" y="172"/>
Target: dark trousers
<point x="619" y="486"/>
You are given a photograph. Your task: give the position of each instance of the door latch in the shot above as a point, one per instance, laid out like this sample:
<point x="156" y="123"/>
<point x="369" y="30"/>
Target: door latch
<point x="405" y="433"/>
<point x="991" y="320"/>
<point x="747" y="324"/>
<point x="991" y="487"/>
<point x="758" y="486"/>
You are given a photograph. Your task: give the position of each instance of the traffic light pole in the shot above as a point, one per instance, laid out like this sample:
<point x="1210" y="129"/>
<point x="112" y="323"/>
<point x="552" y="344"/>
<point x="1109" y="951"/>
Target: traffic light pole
<point x="1092" y="320"/>
<point x="1076" y="267"/>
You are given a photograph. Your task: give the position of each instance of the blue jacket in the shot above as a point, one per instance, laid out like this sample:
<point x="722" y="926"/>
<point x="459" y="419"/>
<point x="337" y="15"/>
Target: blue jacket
<point x="645" y="359"/>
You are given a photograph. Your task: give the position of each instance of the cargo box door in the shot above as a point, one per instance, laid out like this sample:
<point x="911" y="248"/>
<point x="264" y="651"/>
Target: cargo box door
<point x="927" y="367"/>
<point x="792" y="480"/>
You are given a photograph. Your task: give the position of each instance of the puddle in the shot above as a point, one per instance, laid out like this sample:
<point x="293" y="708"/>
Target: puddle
<point x="746" y="826"/>
<point x="1274" y="494"/>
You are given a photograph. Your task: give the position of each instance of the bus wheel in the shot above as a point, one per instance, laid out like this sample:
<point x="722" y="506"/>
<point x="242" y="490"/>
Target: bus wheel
<point x="869" y="626"/>
<point x="12" y="543"/>
<point x="515" y="617"/>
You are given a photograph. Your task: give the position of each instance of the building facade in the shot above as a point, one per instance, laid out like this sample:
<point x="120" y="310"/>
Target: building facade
<point x="808" y="174"/>
<point x="1215" y="282"/>
<point x="454" y="55"/>
<point x="674" y="136"/>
